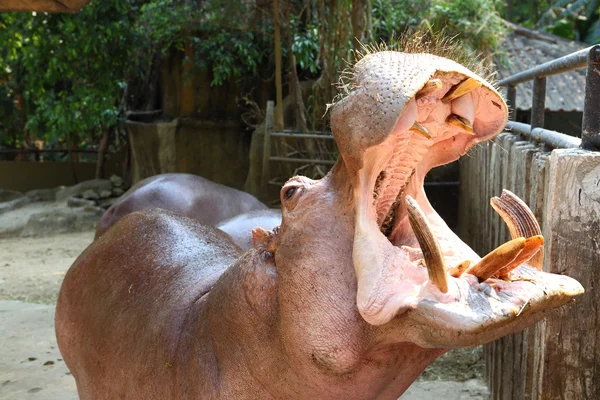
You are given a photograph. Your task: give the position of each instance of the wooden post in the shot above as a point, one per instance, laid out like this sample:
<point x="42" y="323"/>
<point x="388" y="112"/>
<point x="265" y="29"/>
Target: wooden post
<point x="264" y="181"/>
<point x="279" y="91"/>
<point x="571" y="360"/>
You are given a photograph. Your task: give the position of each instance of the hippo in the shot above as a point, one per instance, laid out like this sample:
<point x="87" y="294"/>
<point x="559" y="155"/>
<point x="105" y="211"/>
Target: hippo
<point x="351" y="297"/>
<point x="183" y="194"/>
<point x="240" y="226"/>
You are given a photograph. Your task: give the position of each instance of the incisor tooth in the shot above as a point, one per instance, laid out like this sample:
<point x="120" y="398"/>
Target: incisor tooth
<point x="465" y="124"/>
<point x="417" y="127"/>
<point x="497" y="259"/>
<point x="432" y="85"/>
<point x="532" y="246"/>
<point x="520" y="221"/>
<point x="459" y="90"/>
<point x="432" y="255"/>
<point x="457" y="271"/>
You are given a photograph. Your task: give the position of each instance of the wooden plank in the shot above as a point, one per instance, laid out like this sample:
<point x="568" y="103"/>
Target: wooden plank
<point x="536" y="203"/>
<point x="572" y="232"/>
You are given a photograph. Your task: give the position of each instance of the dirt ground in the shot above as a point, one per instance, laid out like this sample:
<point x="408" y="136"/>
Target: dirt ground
<point x="31" y="271"/>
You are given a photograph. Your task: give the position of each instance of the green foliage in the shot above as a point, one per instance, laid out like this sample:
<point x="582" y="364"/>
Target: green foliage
<point x="474" y="21"/>
<point x="165" y="23"/>
<point x="306" y="47"/>
<point x="68" y="69"/>
<point x="230" y="54"/>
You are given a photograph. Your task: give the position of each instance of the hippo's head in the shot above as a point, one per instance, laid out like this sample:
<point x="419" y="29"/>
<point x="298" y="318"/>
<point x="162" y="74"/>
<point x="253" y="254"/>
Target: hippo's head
<point x="369" y="232"/>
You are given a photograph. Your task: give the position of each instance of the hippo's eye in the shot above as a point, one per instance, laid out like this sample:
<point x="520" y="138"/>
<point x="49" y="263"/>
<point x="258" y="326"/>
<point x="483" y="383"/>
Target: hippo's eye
<point x="289" y="193"/>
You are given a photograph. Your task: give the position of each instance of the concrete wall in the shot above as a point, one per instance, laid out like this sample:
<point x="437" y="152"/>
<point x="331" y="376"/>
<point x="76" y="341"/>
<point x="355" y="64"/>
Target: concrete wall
<point x="214" y="150"/>
<point x="29" y="175"/>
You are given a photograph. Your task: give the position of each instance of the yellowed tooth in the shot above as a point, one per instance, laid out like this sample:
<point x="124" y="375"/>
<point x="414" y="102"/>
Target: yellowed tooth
<point x="497" y="259"/>
<point x="459" y="90"/>
<point x="432" y="255"/>
<point x="417" y="127"/>
<point x="457" y="271"/>
<point x="520" y="221"/>
<point x="532" y="246"/>
<point x="431" y="86"/>
<point x="465" y="124"/>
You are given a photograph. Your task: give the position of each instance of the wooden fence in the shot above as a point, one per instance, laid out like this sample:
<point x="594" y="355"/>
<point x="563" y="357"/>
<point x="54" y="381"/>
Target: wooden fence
<point x="558" y="358"/>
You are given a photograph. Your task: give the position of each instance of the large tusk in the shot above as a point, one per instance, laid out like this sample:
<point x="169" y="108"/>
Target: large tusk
<point x="417" y="127"/>
<point x="532" y="246"/>
<point x="497" y="259"/>
<point x="432" y="85"/>
<point x="466" y="86"/>
<point x="432" y="255"/>
<point x="465" y="124"/>
<point x="520" y="221"/>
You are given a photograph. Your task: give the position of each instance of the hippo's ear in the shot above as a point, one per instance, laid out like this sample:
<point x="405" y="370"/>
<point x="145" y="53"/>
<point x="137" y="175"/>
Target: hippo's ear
<point x="263" y="240"/>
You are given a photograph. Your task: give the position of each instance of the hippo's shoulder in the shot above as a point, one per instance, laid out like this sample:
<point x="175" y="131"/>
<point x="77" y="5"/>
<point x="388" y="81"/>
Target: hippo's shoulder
<point x="164" y="228"/>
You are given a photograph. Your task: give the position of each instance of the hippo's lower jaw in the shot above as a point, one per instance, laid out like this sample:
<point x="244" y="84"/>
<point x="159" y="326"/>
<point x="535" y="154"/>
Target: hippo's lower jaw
<point x="414" y="271"/>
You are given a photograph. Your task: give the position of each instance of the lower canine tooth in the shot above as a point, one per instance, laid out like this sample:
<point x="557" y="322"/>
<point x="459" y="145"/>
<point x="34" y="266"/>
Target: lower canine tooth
<point x="432" y="255"/>
<point x="520" y="221"/>
<point x="497" y="259"/>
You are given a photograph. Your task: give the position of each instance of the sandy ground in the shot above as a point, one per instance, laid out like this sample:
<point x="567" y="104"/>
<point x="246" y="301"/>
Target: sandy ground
<point x="31" y="367"/>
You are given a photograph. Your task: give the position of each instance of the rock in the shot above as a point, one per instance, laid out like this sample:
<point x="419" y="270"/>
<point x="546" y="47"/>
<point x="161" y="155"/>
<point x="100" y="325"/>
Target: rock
<point x="43" y="194"/>
<point x="62" y="221"/>
<point x="117" y="191"/>
<point x="93" y="210"/>
<point x="14" y="204"/>
<point x="90" y="195"/>
<point x="49" y="223"/>
<point x="9" y="195"/>
<point x="96" y="185"/>
<point x="106" y="203"/>
<point x="116" y="181"/>
<point x="78" y="202"/>
<point x="105" y="194"/>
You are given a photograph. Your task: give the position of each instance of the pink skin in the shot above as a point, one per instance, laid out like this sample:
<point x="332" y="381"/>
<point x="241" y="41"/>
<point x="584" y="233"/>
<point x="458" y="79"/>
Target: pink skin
<point x="240" y="227"/>
<point x="325" y="307"/>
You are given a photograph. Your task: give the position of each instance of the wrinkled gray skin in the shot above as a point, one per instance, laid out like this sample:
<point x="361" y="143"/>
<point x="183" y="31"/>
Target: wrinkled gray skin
<point x="183" y="194"/>
<point x="240" y="227"/>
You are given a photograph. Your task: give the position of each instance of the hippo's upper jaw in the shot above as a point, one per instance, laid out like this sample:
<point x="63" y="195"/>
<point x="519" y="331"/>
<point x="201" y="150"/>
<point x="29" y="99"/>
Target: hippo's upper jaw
<point x="397" y="123"/>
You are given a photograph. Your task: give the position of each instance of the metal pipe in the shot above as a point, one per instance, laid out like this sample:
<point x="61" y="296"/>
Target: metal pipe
<point x="590" y="126"/>
<point x="563" y="64"/>
<point x="553" y="139"/>
<point x="538" y="108"/>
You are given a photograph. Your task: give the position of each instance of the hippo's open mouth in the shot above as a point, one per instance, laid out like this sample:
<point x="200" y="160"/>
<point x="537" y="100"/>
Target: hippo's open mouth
<point x="394" y="126"/>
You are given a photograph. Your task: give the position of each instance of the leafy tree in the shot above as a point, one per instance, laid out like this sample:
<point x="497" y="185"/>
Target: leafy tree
<point x="69" y="71"/>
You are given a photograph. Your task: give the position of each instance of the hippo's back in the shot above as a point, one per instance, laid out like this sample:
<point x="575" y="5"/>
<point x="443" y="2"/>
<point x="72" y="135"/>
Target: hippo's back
<point x="128" y="295"/>
<point x="183" y="194"/>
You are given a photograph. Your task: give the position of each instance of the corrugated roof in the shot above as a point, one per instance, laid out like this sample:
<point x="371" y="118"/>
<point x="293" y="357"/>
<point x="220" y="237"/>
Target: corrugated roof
<point x="526" y="49"/>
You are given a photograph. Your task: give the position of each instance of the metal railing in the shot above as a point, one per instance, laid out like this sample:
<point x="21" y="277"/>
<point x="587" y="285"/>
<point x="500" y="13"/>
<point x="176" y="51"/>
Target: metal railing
<point x="590" y="133"/>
